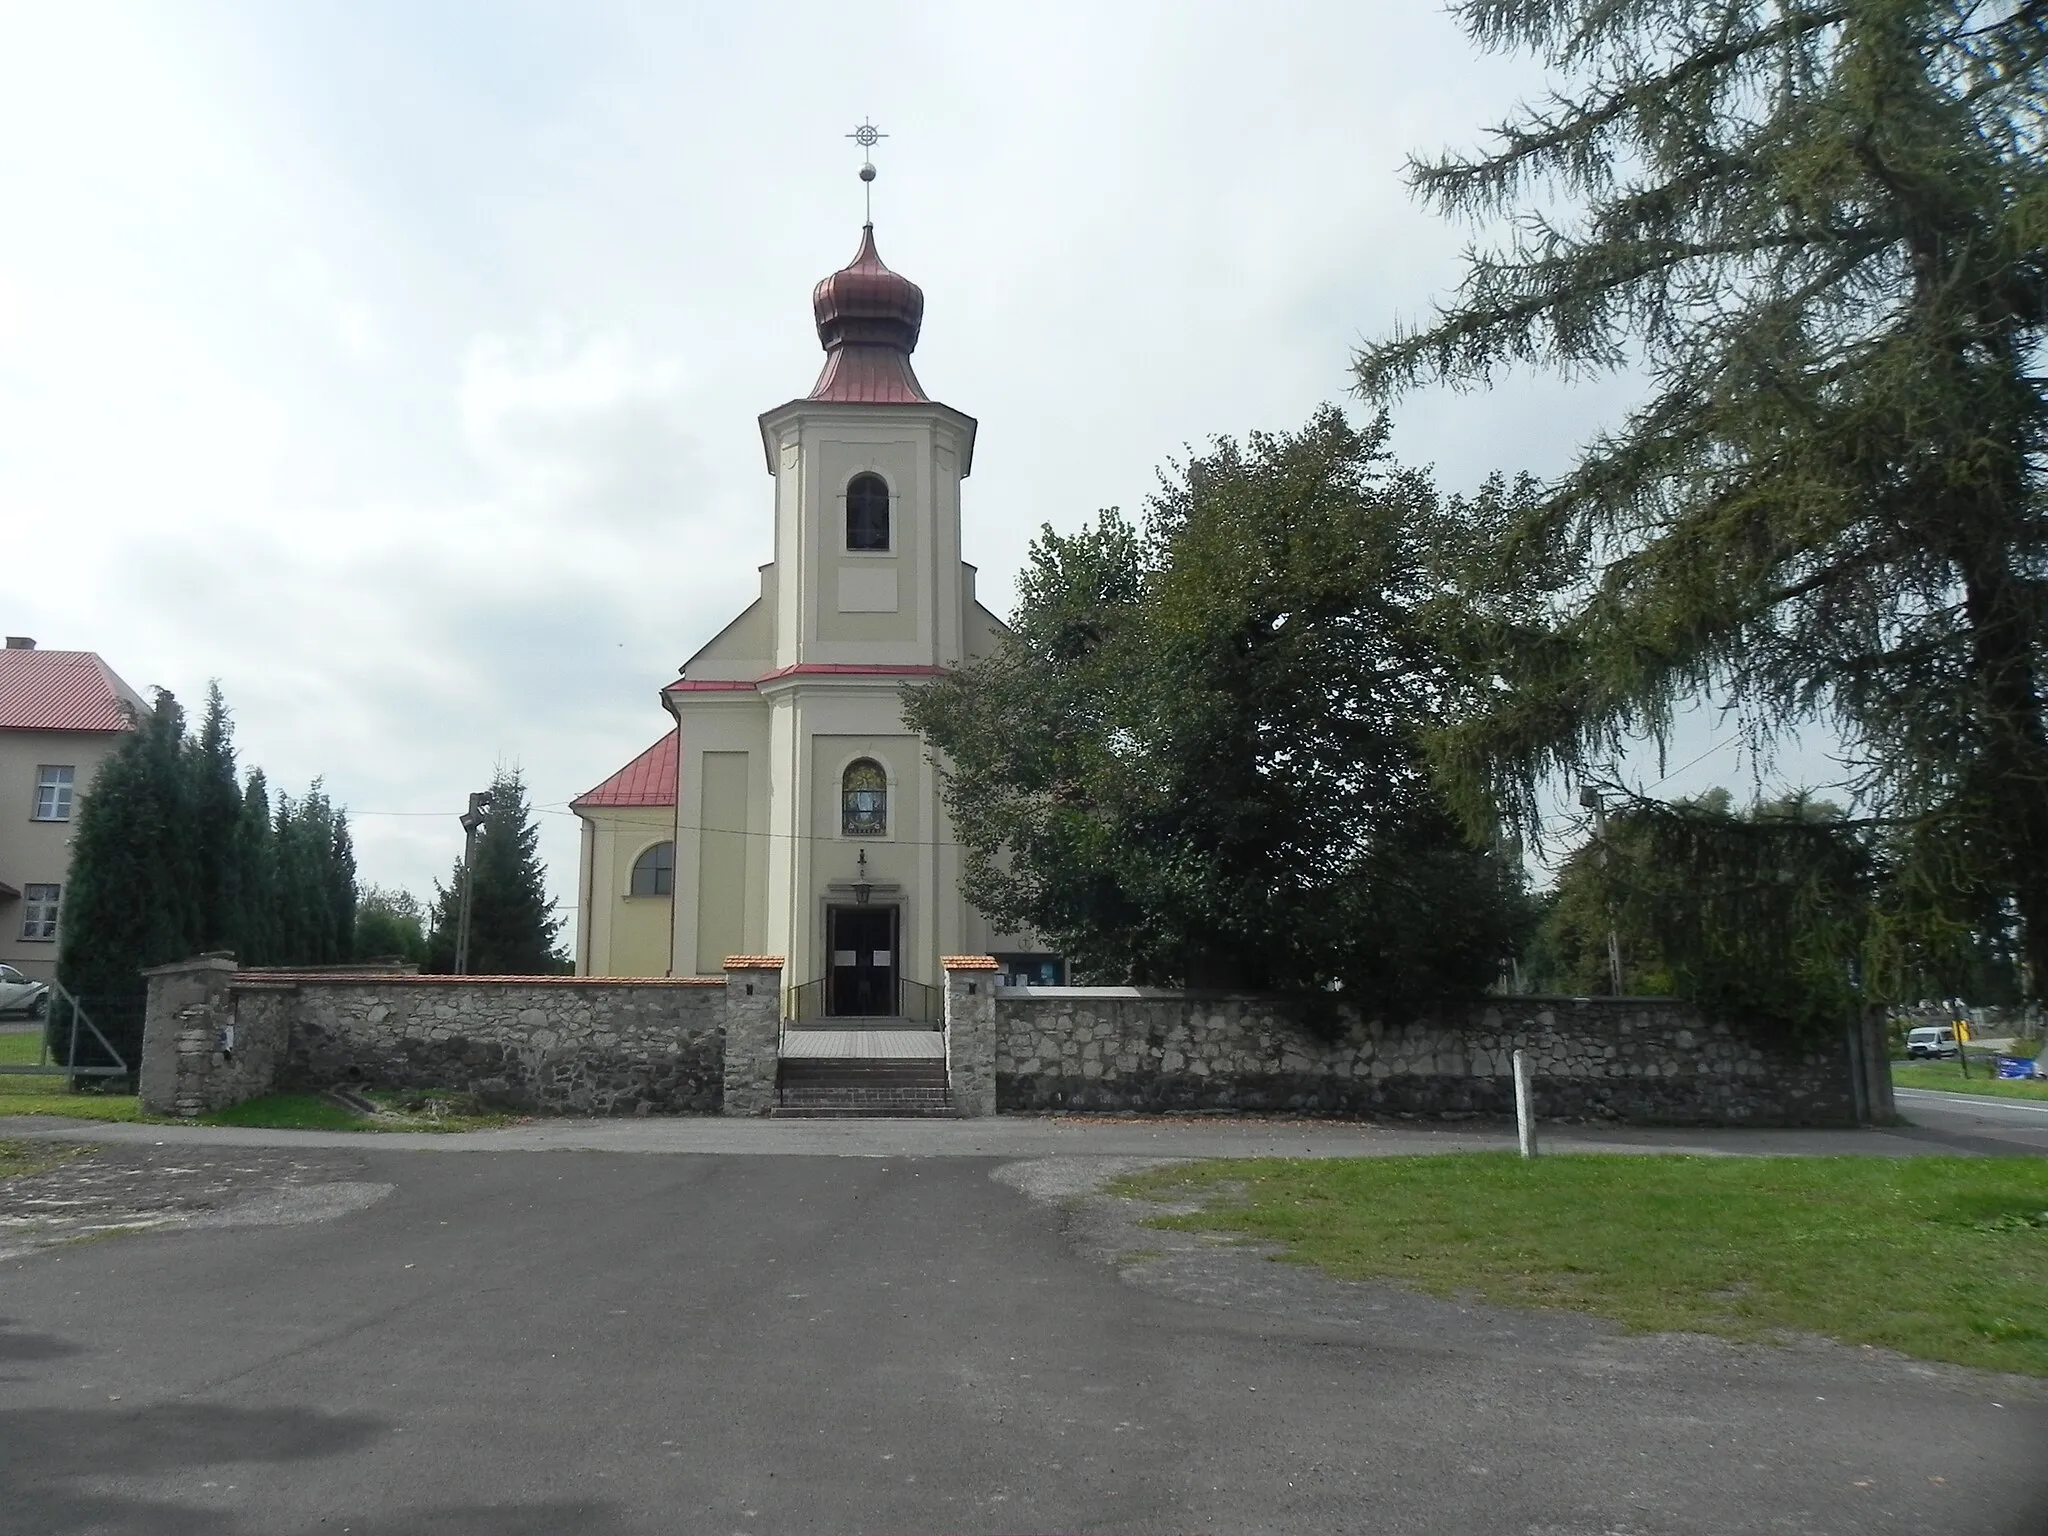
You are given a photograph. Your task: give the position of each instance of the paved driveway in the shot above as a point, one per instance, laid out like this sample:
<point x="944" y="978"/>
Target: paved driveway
<point x="379" y="1341"/>
<point x="2013" y="1124"/>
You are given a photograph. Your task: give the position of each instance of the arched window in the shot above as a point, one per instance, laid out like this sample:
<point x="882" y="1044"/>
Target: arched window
<point x="864" y="800"/>
<point x="654" y="872"/>
<point x="867" y="513"/>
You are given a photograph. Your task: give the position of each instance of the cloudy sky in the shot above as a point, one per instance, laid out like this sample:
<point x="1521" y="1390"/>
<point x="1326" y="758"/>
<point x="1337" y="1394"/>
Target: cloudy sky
<point x="396" y="362"/>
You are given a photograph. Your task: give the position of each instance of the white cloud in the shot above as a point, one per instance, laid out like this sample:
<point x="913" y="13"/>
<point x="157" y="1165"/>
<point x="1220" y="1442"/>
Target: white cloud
<point x="307" y="285"/>
<point x="408" y="385"/>
<point x="583" y="429"/>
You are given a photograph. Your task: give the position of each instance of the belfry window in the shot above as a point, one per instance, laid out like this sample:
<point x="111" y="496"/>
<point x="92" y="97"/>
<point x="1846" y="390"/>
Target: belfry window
<point x="654" y="872"/>
<point x="864" y="800"/>
<point x="867" y="513"/>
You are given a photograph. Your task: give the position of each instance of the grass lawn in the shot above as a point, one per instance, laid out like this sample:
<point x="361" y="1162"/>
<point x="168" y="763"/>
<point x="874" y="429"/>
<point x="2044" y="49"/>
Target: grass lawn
<point x="1948" y="1078"/>
<point x="1945" y="1258"/>
<point x="404" y="1112"/>
<point x="278" y="1111"/>
<point x="52" y="1095"/>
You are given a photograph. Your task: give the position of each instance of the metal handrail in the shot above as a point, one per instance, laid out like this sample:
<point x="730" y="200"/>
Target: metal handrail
<point x="916" y="1002"/>
<point x="919" y="1003"/>
<point x="804" y="1003"/>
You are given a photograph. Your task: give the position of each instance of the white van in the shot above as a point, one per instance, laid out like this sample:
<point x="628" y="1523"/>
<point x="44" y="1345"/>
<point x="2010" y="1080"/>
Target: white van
<point x="1932" y="1040"/>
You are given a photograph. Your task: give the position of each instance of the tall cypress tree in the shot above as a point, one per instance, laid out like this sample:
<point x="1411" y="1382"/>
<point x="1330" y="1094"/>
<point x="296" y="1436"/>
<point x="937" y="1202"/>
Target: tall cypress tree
<point x="129" y="900"/>
<point x="341" y="889"/>
<point x="302" y="916"/>
<point x="256" y="862"/>
<point x="216" y="814"/>
<point x="171" y="856"/>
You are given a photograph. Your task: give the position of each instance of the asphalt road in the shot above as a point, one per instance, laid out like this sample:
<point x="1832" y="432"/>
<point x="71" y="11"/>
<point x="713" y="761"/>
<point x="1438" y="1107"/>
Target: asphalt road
<point x="1977" y="1120"/>
<point x="379" y="1342"/>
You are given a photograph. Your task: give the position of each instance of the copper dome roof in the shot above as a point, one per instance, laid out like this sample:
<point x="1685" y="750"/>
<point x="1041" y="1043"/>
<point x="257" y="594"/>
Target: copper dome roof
<point x="868" y="319"/>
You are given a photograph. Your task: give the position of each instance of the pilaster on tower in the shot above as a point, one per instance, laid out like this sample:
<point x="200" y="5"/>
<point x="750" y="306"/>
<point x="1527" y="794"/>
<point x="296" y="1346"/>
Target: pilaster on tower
<point x="868" y="469"/>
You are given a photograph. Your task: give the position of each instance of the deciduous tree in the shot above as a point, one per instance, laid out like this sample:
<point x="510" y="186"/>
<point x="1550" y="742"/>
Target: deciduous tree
<point x="1196" y="758"/>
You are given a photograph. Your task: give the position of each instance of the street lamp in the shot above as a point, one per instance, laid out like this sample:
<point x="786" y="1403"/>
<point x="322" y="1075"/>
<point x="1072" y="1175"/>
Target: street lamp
<point x="472" y="819"/>
<point x="1589" y="798"/>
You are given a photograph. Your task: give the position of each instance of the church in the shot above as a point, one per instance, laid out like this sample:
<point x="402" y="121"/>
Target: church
<point x="790" y="811"/>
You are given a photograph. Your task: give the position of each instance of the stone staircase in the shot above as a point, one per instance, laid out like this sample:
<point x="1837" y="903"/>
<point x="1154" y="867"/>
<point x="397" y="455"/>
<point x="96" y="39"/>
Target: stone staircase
<point x="842" y="1088"/>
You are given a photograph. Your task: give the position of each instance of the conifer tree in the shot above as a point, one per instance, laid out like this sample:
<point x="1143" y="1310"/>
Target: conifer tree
<point x="341" y="889"/>
<point x="129" y="900"/>
<point x="311" y="902"/>
<point x="216" y="813"/>
<point x="256" y="932"/>
<point x="1819" y="230"/>
<point x="171" y="857"/>
<point x="513" y="925"/>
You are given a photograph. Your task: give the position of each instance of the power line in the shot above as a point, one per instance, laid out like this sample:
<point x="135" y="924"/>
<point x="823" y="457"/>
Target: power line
<point x="1732" y="741"/>
<point x="808" y="837"/>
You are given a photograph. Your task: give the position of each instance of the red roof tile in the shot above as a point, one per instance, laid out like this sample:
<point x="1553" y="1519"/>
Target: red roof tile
<point x="650" y="779"/>
<point x="63" y="691"/>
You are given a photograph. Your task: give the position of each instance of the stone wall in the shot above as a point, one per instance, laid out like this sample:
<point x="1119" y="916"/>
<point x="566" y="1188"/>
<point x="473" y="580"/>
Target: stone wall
<point x="555" y="1045"/>
<point x="540" y="1044"/>
<point x="200" y="1055"/>
<point x="1639" y="1060"/>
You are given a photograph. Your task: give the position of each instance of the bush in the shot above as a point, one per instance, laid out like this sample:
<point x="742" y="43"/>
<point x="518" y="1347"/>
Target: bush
<point x="1895" y="1031"/>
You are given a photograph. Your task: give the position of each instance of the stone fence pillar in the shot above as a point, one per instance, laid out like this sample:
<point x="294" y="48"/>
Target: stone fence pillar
<point x="182" y="1040"/>
<point x="753" y="1032"/>
<point x="971" y="1032"/>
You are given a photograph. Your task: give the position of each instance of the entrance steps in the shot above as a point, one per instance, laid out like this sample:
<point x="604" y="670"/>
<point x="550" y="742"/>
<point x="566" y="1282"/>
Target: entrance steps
<point x="861" y="1088"/>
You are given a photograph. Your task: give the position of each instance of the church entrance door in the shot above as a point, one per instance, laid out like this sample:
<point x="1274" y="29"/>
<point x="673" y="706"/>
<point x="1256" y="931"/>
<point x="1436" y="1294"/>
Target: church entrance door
<point x="862" y="980"/>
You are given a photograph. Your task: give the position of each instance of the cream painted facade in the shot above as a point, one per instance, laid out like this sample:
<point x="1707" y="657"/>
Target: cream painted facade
<point x="628" y="934"/>
<point x="805" y="684"/>
<point x="36" y="853"/>
<point x="808" y="682"/>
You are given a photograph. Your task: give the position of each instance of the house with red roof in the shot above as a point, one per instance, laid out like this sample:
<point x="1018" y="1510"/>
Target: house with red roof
<point x="790" y="811"/>
<point x="62" y="714"/>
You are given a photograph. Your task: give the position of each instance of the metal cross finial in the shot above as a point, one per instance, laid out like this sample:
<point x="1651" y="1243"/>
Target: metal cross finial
<point x="867" y="136"/>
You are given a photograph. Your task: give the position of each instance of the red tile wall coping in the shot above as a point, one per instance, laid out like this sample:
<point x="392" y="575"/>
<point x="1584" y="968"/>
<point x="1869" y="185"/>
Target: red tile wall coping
<point x="753" y="962"/>
<point x="401" y="979"/>
<point x="968" y="963"/>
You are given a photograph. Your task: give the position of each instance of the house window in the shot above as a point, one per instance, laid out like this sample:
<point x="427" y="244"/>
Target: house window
<point x="867" y="513"/>
<point x="53" y="792"/>
<point x="864" y="800"/>
<point x="654" y="872"/>
<point x="39" y="912"/>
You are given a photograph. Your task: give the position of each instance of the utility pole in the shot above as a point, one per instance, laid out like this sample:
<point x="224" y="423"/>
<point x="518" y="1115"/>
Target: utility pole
<point x="472" y="820"/>
<point x="1589" y="797"/>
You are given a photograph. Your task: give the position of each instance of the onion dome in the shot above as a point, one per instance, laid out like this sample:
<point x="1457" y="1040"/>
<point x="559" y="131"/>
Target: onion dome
<point x="868" y="319"/>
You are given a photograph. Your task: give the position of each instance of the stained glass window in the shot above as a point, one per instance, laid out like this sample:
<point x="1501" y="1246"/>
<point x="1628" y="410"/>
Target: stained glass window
<point x="867" y="513"/>
<point x="864" y="800"/>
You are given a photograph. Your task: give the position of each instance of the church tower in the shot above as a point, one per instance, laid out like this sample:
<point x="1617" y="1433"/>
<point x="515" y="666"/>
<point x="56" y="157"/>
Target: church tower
<point x="807" y="820"/>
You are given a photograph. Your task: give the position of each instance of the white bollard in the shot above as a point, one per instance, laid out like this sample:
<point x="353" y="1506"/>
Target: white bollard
<point x="1525" y="1105"/>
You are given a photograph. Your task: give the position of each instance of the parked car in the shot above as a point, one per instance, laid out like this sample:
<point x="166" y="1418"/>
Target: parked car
<point x="1936" y="1040"/>
<point x="19" y="995"/>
